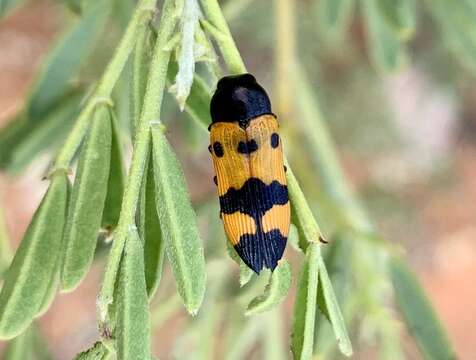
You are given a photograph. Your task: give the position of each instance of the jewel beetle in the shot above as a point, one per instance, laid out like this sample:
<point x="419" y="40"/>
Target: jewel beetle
<point x="247" y="155"/>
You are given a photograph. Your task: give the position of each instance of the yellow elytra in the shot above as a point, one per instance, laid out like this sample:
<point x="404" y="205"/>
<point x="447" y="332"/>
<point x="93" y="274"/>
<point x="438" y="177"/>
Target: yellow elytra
<point x="247" y="155"/>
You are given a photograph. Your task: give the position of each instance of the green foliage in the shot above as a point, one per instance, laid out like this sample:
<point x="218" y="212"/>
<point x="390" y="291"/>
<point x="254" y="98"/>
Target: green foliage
<point x="275" y="291"/>
<point x="178" y="224"/>
<point x="133" y="324"/>
<point x="385" y="48"/>
<point x="154" y="246"/>
<point x="87" y="201"/>
<point x="35" y="262"/>
<point x="115" y="183"/>
<point x="400" y="14"/>
<point x="421" y="320"/>
<point x="66" y="59"/>
<point x="302" y="337"/>
<point x="21" y="141"/>
<point x="97" y="352"/>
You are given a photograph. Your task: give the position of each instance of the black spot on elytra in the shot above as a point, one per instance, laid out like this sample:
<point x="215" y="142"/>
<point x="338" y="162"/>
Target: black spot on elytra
<point x="215" y="180"/>
<point x="274" y="140"/>
<point x="285" y="168"/>
<point x="261" y="249"/>
<point x="248" y="147"/>
<point x="218" y="149"/>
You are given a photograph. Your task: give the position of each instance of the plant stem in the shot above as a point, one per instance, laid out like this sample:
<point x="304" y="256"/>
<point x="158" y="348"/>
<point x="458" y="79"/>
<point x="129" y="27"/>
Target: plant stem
<point x="325" y="156"/>
<point x="143" y="14"/>
<point x="227" y="45"/>
<point x="150" y="113"/>
<point x="284" y="56"/>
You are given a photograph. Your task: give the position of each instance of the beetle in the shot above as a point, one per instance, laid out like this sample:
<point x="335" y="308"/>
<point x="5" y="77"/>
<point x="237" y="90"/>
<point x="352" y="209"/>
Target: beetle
<point x="247" y="155"/>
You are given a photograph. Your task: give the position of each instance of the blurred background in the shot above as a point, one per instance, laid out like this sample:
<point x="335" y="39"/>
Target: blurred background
<point x="406" y="138"/>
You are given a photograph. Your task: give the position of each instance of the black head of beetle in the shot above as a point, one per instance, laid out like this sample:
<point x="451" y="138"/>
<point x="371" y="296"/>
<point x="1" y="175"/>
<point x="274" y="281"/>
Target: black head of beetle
<point x="239" y="98"/>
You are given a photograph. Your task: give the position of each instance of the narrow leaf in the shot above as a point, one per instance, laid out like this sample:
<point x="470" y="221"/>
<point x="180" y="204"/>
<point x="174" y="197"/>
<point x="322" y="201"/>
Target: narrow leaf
<point x="21" y="141"/>
<point x="87" y="201"/>
<point x="140" y="67"/>
<point x="178" y="224"/>
<point x="51" y="290"/>
<point x="186" y="59"/>
<point x="154" y="247"/>
<point x="304" y="315"/>
<point x="33" y="266"/>
<point x="5" y="250"/>
<point x="115" y="183"/>
<point x="420" y="318"/>
<point x="332" y="310"/>
<point x="66" y="58"/>
<point x="275" y="292"/>
<point x="399" y="14"/>
<point x="335" y="15"/>
<point x="97" y="352"/>
<point x="386" y="51"/>
<point x="133" y="323"/>
<point x="457" y="25"/>
<point x="21" y="347"/>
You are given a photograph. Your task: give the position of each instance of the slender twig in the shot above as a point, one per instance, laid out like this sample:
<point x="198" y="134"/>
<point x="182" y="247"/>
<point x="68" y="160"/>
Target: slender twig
<point x="227" y="45"/>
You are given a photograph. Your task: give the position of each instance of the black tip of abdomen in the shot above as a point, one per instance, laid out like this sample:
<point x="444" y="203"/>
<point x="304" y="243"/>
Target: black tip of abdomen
<point x="261" y="249"/>
<point x="239" y="98"/>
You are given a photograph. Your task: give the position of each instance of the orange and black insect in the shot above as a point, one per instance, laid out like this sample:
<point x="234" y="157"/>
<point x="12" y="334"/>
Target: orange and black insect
<point x="247" y="155"/>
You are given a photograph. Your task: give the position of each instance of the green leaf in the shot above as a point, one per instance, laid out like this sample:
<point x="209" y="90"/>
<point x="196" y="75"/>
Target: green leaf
<point x="52" y="287"/>
<point x="21" y="141"/>
<point x="34" y="264"/>
<point x="97" y="352"/>
<point x="457" y="25"/>
<point x="140" y="66"/>
<point x="154" y="247"/>
<point x="304" y="314"/>
<point x="400" y="15"/>
<point x="419" y="315"/>
<point x="133" y="323"/>
<point x="75" y="5"/>
<point x="386" y="51"/>
<point x="5" y="250"/>
<point x="87" y="201"/>
<point x="186" y="58"/>
<point x="115" y="183"/>
<point x="178" y="223"/>
<point x="332" y="310"/>
<point x="275" y="292"/>
<point x="335" y="15"/>
<point x="66" y="59"/>
<point x="21" y="347"/>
